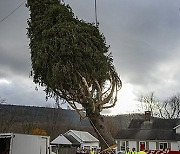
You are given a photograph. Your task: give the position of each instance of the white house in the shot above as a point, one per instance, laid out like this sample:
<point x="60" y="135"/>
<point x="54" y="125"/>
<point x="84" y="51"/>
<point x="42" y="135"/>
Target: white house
<point x="86" y="140"/>
<point x="74" y="138"/>
<point x="60" y="144"/>
<point x="61" y="140"/>
<point x="150" y="134"/>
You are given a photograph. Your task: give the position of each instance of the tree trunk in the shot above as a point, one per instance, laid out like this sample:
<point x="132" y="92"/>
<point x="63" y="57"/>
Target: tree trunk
<point x="105" y="138"/>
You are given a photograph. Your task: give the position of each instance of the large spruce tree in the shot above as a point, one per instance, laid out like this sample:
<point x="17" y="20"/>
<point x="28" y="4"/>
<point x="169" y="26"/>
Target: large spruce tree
<point x="71" y="60"/>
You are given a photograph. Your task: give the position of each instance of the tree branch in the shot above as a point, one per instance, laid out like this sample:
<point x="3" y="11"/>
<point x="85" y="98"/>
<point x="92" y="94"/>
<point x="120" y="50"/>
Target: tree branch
<point x="107" y="99"/>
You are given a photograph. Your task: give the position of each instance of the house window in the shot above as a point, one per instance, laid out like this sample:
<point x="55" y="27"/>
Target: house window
<point x="142" y="145"/>
<point x="163" y="145"/>
<point x="123" y="145"/>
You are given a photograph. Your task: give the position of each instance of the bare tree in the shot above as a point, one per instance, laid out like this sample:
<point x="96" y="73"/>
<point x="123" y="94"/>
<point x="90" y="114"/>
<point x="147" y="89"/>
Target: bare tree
<point x="8" y="118"/>
<point x="167" y="109"/>
<point x="170" y="108"/>
<point x="6" y="122"/>
<point x="112" y="126"/>
<point x="149" y="103"/>
<point x="28" y="122"/>
<point x="53" y="121"/>
<point x="2" y="100"/>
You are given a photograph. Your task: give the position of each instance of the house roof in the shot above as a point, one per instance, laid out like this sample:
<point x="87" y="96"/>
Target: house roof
<point x="156" y="123"/>
<point x="145" y="134"/>
<point x="72" y="140"/>
<point x="176" y="127"/>
<point x="84" y="136"/>
<point x="61" y="140"/>
<point x="157" y="129"/>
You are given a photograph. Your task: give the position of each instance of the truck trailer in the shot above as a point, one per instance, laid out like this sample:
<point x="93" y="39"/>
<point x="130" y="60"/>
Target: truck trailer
<point x="14" y="143"/>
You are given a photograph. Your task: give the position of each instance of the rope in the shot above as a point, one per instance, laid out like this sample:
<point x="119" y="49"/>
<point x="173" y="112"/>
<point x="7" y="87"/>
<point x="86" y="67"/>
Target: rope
<point x="100" y="134"/>
<point x="12" y="12"/>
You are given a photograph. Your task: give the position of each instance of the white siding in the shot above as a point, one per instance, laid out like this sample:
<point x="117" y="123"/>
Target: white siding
<point x="132" y="144"/>
<point x="178" y="130"/>
<point x="174" y="146"/>
<point x="91" y="145"/>
<point x="152" y="145"/>
<point x="179" y="145"/>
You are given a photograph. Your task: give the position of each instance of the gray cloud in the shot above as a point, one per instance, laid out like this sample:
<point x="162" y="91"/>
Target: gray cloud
<point x="14" y="60"/>
<point x="144" y="36"/>
<point x="23" y="93"/>
<point x="14" y="52"/>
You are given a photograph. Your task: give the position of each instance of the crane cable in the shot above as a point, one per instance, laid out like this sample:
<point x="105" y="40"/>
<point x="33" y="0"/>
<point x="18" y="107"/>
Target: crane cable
<point x="100" y="134"/>
<point x="12" y="12"/>
<point x="95" y="9"/>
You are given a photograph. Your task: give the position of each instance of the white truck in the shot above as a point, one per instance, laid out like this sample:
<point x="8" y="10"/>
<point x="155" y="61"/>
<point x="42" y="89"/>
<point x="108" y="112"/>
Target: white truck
<point x="13" y="143"/>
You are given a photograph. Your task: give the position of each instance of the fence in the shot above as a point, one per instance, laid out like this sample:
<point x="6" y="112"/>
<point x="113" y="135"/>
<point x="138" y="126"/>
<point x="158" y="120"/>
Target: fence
<point x="67" y="150"/>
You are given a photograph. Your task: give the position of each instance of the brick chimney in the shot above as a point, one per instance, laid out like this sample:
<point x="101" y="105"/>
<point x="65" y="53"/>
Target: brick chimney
<point x="147" y="115"/>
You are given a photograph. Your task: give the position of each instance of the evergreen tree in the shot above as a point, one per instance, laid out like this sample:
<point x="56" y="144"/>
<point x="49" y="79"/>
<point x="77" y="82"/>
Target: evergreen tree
<point x="71" y="60"/>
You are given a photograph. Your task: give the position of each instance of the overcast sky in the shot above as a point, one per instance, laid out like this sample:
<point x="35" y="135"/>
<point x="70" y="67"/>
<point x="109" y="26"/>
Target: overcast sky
<point x="144" y="37"/>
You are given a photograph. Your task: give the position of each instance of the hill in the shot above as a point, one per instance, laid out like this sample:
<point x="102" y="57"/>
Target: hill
<point x="24" y="119"/>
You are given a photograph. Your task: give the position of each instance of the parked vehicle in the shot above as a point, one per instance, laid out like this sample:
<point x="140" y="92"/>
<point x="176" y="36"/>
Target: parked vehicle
<point x="13" y="143"/>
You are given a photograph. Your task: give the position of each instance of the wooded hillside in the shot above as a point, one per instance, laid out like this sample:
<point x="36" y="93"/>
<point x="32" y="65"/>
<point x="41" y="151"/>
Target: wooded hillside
<point x="54" y="121"/>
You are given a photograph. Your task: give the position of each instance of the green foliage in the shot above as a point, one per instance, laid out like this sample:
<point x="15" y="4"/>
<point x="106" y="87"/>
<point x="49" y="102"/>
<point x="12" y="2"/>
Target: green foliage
<point x="65" y="49"/>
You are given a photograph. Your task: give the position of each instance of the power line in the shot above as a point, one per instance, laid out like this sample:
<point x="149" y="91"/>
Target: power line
<point x="12" y="12"/>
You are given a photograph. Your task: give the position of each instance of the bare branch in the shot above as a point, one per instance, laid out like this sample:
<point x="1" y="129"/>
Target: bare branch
<point x="72" y="104"/>
<point x="107" y="107"/>
<point x="85" y="84"/>
<point x="99" y="90"/>
<point x="107" y="99"/>
<point x="2" y="101"/>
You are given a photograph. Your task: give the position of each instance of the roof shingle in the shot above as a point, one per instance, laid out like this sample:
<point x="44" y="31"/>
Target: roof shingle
<point x="157" y="129"/>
